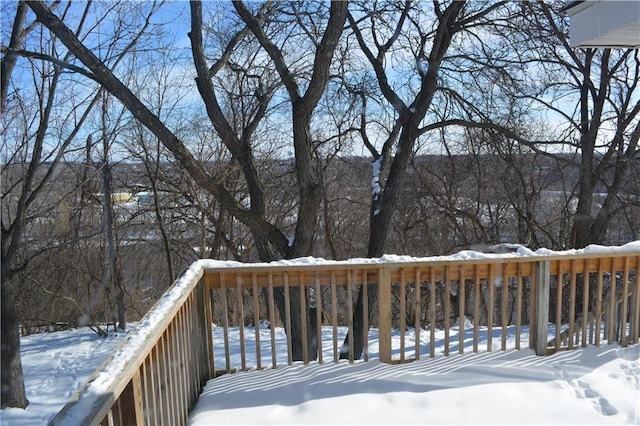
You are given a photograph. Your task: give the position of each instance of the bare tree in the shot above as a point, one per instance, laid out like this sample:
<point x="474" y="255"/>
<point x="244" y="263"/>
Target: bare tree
<point x="34" y="149"/>
<point x="112" y="271"/>
<point x="584" y="99"/>
<point x="382" y="31"/>
<point x="603" y="121"/>
<point x="308" y="171"/>
<point x="22" y="191"/>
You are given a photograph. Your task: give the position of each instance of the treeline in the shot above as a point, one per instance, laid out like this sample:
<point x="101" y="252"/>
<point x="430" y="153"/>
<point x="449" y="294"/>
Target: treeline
<point x="449" y="203"/>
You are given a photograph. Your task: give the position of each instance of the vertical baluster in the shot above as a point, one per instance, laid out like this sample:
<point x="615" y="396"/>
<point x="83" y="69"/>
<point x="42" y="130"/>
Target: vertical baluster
<point x="147" y="390"/>
<point x="272" y="320"/>
<point x="256" y="318"/>
<point x="625" y="300"/>
<point x="350" y="313"/>
<point x="476" y="306"/>
<point x="504" y="320"/>
<point x="585" y="302"/>
<point x="185" y="364"/>
<point x="225" y="324"/>
<point x="177" y="373"/>
<point x="560" y="284"/>
<point x="599" y="302"/>
<point x="417" y="322"/>
<point x="160" y="375"/>
<point x="287" y="315"/>
<point x="303" y="318"/>
<point x="240" y="305"/>
<point x="432" y="313"/>
<point x="636" y="305"/>
<point x="403" y="295"/>
<point x="169" y="380"/>
<point x="365" y="313"/>
<point x="191" y="353"/>
<point x="195" y="329"/>
<point x="200" y="323"/>
<point x="491" y="308"/>
<point x="169" y="373"/>
<point x="319" y="316"/>
<point x="178" y="366"/>
<point x="462" y="290"/>
<point x="188" y="352"/>
<point x="542" y="293"/>
<point x="613" y="306"/>
<point x="196" y="342"/>
<point x="572" y="303"/>
<point x="447" y="309"/>
<point x="153" y="407"/>
<point x="519" y="306"/>
<point x="533" y="303"/>
<point x="132" y="401"/>
<point x="116" y="412"/>
<point x="208" y="330"/>
<point x="334" y="316"/>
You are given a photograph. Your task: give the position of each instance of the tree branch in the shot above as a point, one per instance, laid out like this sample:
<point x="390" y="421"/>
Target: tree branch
<point x="53" y="60"/>
<point x="272" y="50"/>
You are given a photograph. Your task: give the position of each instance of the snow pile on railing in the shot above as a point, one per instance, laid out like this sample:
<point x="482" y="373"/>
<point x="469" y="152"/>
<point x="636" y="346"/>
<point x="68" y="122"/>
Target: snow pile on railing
<point x="519" y="251"/>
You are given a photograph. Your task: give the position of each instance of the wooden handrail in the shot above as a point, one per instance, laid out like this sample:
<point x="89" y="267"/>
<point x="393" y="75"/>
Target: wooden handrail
<point x="157" y="374"/>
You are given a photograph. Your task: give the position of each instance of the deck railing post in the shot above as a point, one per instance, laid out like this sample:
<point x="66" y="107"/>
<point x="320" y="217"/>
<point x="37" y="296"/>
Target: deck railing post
<point x="384" y="314"/>
<point x="543" y="276"/>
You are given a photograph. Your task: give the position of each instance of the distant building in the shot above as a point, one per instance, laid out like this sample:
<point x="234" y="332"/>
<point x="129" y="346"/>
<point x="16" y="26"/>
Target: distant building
<point x="602" y="24"/>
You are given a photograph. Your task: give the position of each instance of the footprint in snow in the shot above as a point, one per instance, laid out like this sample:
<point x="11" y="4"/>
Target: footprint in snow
<point x="584" y="391"/>
<point x="631" y="371"/>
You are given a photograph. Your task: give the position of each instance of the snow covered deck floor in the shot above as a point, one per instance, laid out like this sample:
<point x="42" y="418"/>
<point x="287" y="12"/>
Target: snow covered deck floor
<point x="584" y="386"/>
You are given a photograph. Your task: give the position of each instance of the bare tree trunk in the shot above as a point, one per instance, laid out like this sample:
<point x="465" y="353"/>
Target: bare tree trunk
<point x="8" y="62"/>
<point x="13" y="393"/>
<point x="308" y="171"/>
<point x="152" y="167"/>
<point x="581" y="234"/>
<point x="166" y="243"/>
<point x="113" y="262"/>
<point x="406" y="130"/>
<point x="114" y="273"/>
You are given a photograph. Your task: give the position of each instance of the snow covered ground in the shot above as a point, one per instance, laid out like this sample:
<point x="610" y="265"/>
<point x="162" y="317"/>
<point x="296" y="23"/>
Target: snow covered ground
<point x="587" y="386"/>
<point x="55" y="366"/>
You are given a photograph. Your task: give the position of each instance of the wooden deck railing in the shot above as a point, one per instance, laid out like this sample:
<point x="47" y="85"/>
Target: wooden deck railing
<point x="156" y="375"/>
<point x="564" y="301"/>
